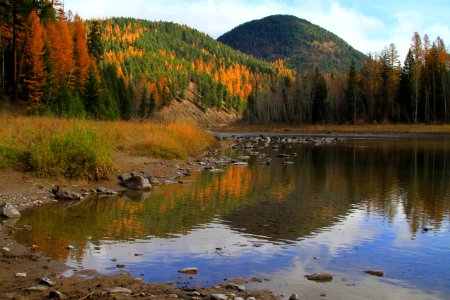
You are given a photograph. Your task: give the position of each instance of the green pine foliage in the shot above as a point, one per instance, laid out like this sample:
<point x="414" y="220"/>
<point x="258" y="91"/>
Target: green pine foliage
<point x="302" y="44"/>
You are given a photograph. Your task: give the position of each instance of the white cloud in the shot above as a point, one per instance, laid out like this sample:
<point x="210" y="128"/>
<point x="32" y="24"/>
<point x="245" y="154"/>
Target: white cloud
<point x="366" y="31"/>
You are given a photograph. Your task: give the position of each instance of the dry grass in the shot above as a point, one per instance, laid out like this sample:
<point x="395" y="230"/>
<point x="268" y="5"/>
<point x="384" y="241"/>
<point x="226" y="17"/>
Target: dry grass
<point x="84" y="149"/>
<point x="367" y="128"/>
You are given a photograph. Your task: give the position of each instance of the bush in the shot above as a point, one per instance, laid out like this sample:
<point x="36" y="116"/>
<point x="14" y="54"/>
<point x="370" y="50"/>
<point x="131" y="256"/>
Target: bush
<point x="75" y="154"/>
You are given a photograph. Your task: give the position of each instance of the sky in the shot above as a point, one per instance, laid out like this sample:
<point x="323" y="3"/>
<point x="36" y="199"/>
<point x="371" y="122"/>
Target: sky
<point x="368" y="26"/>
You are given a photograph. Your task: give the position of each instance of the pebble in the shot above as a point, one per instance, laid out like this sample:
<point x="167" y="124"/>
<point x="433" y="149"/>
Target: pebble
<point x="70" y="247"/>
<point x="118" y="290"/>
<point x="190" y="270"/>
<point x="37" y="288"/>
<point x="6" y="249"/>
<point x="21" y="274"/>
<point x="294" y="296"/>
<point x="56" y="295"/>
<point x="219" y="297"/>
<point x="47" y="281"/>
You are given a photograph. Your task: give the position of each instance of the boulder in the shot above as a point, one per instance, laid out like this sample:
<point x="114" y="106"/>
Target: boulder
<point x="9" y="211"/>
<point x="137" y="182"/>
<point x="65" y="194"/>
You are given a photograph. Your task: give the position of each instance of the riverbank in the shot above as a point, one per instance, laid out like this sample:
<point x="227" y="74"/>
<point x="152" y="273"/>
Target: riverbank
<point x="372" y="129"/>
<point x="24" y="267"/>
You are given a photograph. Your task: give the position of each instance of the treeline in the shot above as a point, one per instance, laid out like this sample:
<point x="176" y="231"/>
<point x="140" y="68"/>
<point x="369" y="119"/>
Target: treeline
<point x="381" y="90"/>
<point x="52" y="62"/>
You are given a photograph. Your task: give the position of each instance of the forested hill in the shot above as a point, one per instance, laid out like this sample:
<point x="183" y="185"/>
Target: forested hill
<point x="159" y="59"/>
<point x="303" y="45"/>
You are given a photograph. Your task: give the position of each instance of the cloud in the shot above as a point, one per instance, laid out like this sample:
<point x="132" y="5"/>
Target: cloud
<point x="368" y="31"/>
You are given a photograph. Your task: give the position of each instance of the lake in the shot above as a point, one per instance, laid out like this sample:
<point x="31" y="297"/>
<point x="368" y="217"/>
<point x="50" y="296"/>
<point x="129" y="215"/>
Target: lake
<point x="346" y="207"/>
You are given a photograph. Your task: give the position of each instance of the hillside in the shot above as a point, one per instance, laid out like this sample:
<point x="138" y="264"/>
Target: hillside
<point x="302" y="44"/>
<point x="158" y="60"/>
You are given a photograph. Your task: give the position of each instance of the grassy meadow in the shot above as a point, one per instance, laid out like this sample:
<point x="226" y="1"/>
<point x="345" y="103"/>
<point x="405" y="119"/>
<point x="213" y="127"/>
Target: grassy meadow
<point x="85" y="149"/>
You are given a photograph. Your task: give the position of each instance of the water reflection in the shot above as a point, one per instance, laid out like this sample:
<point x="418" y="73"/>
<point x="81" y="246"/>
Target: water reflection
<point x="343" y="208"/>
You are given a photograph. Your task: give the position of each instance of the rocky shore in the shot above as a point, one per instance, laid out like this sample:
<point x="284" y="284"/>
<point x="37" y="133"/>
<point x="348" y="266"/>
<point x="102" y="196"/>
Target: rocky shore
<point x="27" y="274"/>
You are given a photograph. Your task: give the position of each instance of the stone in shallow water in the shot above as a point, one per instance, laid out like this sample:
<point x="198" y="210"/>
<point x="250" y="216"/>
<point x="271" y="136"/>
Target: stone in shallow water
<point x="65" y="194"/>
<point x="320" y="277"/>
<point x="375" y="272"/>
<point x="190" y="270"/>
<point x="294" y="296"/>
<point x="138" y="182"/>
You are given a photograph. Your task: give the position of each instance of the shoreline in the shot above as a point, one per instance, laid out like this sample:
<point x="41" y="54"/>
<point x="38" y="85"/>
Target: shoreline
<point x="25" y="191"/>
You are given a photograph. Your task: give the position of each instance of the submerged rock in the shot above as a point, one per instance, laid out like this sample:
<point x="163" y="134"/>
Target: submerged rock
<point x="190" y="270"/>
<point x="137" y="182"/>
<point x="9" y="211"/>
<point x="320" y="277"/>
<point x="375" y="272"/>
<point x="65" y="194"/>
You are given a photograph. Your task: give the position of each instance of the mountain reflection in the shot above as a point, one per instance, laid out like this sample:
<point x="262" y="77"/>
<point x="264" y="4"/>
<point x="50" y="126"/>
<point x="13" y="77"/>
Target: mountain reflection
<point x="281" y="203"/>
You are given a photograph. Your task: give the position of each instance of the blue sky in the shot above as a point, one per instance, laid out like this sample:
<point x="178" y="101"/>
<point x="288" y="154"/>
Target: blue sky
<point x="368" y="26"/>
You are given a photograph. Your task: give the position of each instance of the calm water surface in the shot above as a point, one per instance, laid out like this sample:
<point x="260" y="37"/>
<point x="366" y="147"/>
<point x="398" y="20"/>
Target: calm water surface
<point x="359" y="204"/>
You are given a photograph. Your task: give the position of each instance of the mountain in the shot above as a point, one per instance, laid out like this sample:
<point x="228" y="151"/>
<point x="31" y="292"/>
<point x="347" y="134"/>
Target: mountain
<point x="302" y="44"/>
<point x="158" y="61"/>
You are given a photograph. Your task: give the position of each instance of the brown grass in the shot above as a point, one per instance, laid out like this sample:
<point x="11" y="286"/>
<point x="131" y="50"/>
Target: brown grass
<point x="50" y="145"/>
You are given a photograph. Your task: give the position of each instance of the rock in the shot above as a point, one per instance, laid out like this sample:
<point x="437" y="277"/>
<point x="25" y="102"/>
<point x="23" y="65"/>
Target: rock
<point x="172" y="296"/>
<point x="238" y="298"/>
<point x="6" y="249"/>
<point x="65" y="194"/>
<point x="320" y="277"/>
<point x="118" y="290"/>
<point x="124" y="176"/>
<point x="241" y="163"/>
<point x="216" y="170"/>
<point x="105" y="191"/>
<point x="70" y="247"/>
<point x="56" y="295"/>
<point x="243" y="158"/>
<point x="219" y="297"/>
<point x="251" y="298"/>
<point x="120" y="266"/>
<point x="186" y="181"/>
<point x="190" y="270"/>
<point x="194" y="294"/>
<point x="137" y="182"/>
<point x="240" y="288"/>
<point x="47" y="281"/>
<point x="294" y="296"/>
<point x="21" y="274"/>
<point x="37" y="288"/>
<point x="283" y="155"/>
<point x="375" y="272"/>
<point x="9" y="211"/>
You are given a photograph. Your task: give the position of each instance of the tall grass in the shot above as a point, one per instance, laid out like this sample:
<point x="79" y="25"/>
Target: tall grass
<point x="85" y="149"/>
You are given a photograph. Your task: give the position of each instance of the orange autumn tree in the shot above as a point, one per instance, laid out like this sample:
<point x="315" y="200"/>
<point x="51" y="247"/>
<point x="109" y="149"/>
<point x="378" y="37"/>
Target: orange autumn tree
<point x="80" y="54"/>
<point x="34" y="60"/>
